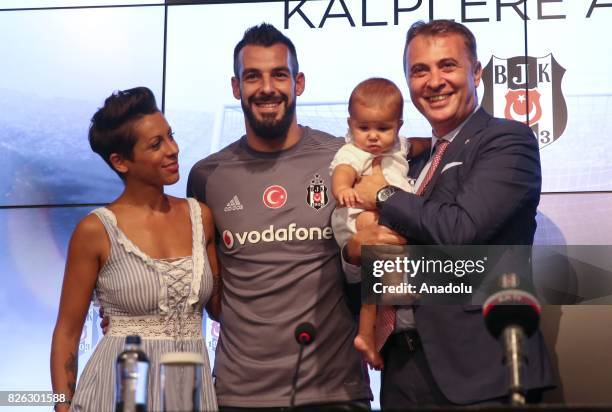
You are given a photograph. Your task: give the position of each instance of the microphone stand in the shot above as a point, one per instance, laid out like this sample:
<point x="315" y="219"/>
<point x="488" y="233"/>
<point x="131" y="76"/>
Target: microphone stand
<point x="305" y="334"/>
<point x="512" y="315"/>
<point x="295" y="377"/>
<point x="513" y="338"/>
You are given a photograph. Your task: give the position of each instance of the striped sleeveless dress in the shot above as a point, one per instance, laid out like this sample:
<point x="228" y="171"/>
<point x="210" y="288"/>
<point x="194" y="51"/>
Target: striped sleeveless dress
<point x="159" y="299"/>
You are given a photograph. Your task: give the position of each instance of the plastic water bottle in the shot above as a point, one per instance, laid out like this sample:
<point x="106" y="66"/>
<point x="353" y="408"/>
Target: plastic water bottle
<point x="131" y="377"/>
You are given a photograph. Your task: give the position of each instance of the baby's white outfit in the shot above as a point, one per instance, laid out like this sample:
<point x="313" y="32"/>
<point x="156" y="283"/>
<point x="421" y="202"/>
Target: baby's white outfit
<point x="394" y="167"/>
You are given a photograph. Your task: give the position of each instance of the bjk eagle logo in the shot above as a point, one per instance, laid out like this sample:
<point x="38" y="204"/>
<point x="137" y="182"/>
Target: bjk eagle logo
<point x="316" y="193"/>
<point x="527" y="90"/>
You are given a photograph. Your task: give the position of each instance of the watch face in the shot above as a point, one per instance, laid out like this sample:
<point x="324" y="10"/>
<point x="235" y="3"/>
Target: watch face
<point x="385" y="192"/>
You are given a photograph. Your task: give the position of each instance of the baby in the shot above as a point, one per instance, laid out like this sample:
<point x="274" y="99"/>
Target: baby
<point x="375" y="117"/>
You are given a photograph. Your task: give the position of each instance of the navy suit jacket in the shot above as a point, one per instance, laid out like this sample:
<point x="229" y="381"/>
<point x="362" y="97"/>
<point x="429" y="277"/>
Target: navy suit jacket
<point x="485" y="191"/>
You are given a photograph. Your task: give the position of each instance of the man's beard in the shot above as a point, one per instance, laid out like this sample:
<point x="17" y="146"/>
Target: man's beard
<point x="269" y="129"/>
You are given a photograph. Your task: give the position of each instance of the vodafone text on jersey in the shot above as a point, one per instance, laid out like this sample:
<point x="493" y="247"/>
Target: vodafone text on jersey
<point x="271" y="234"/>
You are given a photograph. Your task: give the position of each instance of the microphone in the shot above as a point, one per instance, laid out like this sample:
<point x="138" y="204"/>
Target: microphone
<point x="305" y="334"/>
<point x="513" y="314"/>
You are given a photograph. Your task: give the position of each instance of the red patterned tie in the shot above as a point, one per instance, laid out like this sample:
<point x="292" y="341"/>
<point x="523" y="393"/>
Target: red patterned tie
<point x="439" y="150"/>
<point x="385" y="323"/>
<point x="385" y="315"/>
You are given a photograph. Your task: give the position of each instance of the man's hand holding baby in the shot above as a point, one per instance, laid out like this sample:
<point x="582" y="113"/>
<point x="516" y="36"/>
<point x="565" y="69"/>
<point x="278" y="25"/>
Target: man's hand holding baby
<point x="368" y="186"/>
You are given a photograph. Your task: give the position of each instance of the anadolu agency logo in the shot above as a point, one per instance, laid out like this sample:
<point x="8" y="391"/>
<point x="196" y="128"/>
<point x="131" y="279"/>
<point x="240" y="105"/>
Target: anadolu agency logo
<point x="527" y="90"/>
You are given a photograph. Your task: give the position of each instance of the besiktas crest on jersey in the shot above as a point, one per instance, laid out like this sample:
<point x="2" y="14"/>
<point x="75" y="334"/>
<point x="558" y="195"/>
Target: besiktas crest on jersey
<point x="529" y="91"/>
<point x="316" y="193"/>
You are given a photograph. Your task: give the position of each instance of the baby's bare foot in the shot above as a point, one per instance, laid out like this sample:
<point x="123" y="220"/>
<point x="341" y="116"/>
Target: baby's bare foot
<point x="367" y="347"/>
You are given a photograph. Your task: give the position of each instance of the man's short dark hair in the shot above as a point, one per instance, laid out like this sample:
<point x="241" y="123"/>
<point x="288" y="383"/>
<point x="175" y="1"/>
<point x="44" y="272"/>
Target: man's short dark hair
<point x="265" y="35"/>
<point x="111" y="126"/>
<point x="440" y="28"/>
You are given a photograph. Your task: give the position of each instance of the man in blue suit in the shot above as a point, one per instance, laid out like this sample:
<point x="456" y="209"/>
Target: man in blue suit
<point x="481" y="185"/>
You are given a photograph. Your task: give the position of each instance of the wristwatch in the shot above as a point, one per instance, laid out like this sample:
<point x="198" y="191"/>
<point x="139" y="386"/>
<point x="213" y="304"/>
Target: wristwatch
<point x="384" y="194"/>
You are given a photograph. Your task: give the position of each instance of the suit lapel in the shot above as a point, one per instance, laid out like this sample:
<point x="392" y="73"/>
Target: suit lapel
<point x="417" y="164"/>
<point x="478" y="122"/>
